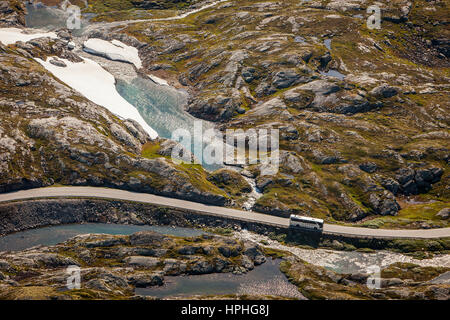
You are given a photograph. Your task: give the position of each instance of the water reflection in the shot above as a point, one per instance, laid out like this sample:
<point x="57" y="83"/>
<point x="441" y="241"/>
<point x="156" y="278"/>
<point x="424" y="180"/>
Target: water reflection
<point x="333" y="73"/>
<point x="52" y="235"/>
<point x="266" y="279"/>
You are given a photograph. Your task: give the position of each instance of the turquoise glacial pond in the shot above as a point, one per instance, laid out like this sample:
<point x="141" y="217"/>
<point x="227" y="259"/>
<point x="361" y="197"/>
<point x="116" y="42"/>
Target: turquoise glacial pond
<point x="162" y="107"/>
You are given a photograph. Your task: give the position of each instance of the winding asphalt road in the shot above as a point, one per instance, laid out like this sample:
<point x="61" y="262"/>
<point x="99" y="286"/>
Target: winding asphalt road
<point x="105" y="193"/>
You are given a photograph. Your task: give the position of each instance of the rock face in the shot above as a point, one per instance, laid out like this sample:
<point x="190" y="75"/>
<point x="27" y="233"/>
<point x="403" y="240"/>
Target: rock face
<point x="148" y="238"/>
<point x="377" y="105"/>
<point x="121" y="271"/>
<point x="444" y="213"/>
<point x="384" y="91"/>
<point x="420" y="180"/>
<point x="80" y="142"/>
<point x="230" y="181"/>
<point x="325" y="284"/>
<point x="384" y="204"/>
<point x="12" y="14"/>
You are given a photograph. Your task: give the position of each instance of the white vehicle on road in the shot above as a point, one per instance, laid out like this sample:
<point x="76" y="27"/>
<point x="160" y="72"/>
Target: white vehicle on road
<point x="307" y="223"/>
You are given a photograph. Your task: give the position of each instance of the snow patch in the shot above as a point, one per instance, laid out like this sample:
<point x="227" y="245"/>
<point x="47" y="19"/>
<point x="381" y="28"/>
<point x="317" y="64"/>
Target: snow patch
<point x="98" y="85"/>
<point x="12" y="35"/>
<point x="157" y="80"/>
<point x="114" y="50"/>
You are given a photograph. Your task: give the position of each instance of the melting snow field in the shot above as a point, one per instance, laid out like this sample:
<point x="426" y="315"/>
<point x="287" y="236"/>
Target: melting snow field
<point x="157" y="80"/>
<point x="114" y="50"/>
<point x="12" y="35"/>
<point x="98" y="85"/>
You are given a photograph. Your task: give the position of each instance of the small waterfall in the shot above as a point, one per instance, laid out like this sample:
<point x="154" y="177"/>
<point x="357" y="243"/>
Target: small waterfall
<point x="253" y="196"/>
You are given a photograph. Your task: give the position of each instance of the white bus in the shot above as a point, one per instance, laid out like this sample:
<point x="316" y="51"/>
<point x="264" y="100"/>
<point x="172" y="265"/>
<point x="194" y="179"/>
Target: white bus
<point x="307" y="223"/>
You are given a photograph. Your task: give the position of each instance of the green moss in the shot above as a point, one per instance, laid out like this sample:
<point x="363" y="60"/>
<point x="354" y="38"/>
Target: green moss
<point x="220" y="231"/>
<point x="199" y="178"/>
<point x="409" y="271"/>
<point x="275" y="253"/>
<point x="150" y="150"/>
<point x="410" y="215"/>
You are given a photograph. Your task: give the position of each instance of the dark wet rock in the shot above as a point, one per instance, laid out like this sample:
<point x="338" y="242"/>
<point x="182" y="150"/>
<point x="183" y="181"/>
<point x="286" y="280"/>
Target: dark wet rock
<point x="174" y="267"/>
<point x="5" y="265"/>
<point x="58" y="63"/>
<point x="201" y="267"/>
<point x="322" y="158"/>
<point x="253" y="251"/>
<point x="220" y="265"/>
<point x="105" y="243"/>
<point x="247" y="263"/>
<point x="384" y="91"/>
<point x="228" y="252"/>
<point x="264" y="89"/>
<point x="419" y="180"/>
<point x="249" y="74"/>
<point x="369" y="167"/>
<point x="64" y="34"/>
<point x="384" y="203"/>
<point x="391" y="282"/>
<point x="216" y="106"/>
<point x="12" y="14"/>
<point x="189" y="250"/>
<point x="263" y="182"/>
<point x="144" y="280"/>
<point x="285" y="79"/>
<point x="390" y="185"/>
<point x="324" y="60"/>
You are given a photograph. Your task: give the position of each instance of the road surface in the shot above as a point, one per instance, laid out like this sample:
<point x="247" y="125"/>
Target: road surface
<point x="105" y="193"/>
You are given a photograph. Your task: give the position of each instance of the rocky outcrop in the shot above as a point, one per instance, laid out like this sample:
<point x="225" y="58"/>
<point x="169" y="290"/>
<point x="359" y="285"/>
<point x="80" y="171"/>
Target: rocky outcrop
<point x="12" y="13"/>
<point x="444" y="213"/>
<point x="417" y="180"/>
<point x="80" y="143"/>
<point x="320" y="283"/>
<point x="338" y="97"/>
<point x="119" y="277"/>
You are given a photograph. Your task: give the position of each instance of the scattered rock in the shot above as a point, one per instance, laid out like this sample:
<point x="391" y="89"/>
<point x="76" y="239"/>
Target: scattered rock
<point x="444" y="213"/>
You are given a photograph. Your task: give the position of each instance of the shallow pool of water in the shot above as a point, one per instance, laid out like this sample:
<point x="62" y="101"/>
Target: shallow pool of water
<point x="327" y="43"/>
<point x="333" y="73"/>
<point x="162" y="107"/>
<point x="52" y="235"/>
<point x="266" y="279"/>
